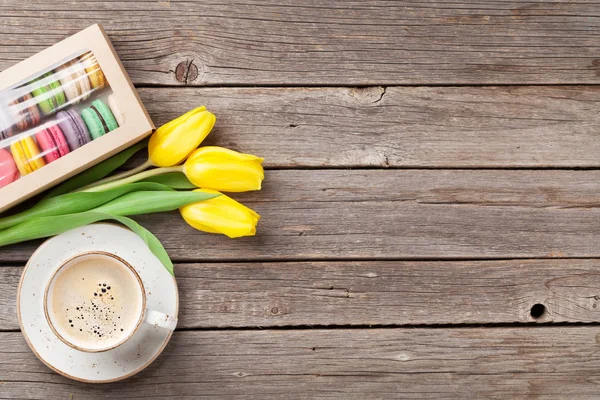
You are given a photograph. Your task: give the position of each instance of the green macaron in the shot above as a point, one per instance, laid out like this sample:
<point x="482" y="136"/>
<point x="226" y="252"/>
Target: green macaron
<point x="49" y="96"/>
<point x="99" y="119"/>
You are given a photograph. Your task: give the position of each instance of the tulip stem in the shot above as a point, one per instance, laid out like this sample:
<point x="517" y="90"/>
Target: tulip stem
<point x="134" y="178"/>
<point x="147" y="164"/>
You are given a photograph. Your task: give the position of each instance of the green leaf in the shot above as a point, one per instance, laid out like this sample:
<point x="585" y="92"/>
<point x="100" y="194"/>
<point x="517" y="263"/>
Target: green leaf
<point x="98" y="171"/>
<point x="143" y="202"/>
<point x="137" y="203"/>
<point x="175" y="180"/>
<point x="42" y="227"/>
<point x="130" y="204"/>
<point x="72" y="203"/>
<point x="152" y="241"/>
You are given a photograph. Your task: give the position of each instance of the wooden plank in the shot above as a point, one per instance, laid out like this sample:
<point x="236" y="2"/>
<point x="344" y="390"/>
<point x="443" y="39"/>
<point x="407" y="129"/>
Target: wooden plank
<point x="372" y="293"/>
<point x="542" y="362"/>
<point x="398" y="127"/>
<point x="464" y="214"/>
<point x="340" y="42"/>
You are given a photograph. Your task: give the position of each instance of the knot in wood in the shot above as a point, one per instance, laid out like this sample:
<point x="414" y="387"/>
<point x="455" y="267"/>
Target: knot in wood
<point x="186" y="71"/>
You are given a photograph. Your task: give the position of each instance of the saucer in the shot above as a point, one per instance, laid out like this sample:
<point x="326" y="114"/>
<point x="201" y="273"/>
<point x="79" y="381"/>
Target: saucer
<point x="116" y="364"/>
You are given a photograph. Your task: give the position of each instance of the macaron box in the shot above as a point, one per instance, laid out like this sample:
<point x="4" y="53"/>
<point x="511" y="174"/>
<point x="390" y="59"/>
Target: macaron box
<point x="62" y="111"/>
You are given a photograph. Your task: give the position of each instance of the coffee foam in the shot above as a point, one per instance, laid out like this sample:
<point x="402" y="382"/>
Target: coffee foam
<point x="95" y="302"/>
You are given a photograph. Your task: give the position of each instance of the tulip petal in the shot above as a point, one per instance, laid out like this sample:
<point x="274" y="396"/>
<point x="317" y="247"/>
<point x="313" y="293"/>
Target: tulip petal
<point x="225" y="170"/>
<point x="222" y="215"/>
<point x="222" y="153"/>
<point x="174" y="141"/>
<point x="182" y="118"/>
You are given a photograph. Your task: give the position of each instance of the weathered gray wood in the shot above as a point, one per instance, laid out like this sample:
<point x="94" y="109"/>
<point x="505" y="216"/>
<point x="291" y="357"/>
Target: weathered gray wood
<point x="363" y="214"/>
<point x="542" y="362"/>
<point x="9" y="282"/>
<point x="338" y="42"/>
<point x="400" y="218"/>
<point x="399" y="127"/>
<point x="371" y="293"/>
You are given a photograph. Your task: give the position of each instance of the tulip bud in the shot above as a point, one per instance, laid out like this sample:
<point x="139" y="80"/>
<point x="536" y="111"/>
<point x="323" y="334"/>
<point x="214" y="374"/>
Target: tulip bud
<point x="174" y="141"/>
<point x="225" y="170"/>
<point x="222" y="215"/>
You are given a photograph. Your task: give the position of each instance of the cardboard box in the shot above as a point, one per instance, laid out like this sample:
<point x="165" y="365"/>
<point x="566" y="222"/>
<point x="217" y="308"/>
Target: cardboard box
<point x="70" y="70"/>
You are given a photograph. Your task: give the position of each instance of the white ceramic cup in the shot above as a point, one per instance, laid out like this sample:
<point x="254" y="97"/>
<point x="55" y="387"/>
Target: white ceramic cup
<point x="145" y="315"/>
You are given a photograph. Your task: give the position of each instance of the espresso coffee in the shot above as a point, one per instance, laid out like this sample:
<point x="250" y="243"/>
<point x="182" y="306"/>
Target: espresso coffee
<point x="95" y="302"/>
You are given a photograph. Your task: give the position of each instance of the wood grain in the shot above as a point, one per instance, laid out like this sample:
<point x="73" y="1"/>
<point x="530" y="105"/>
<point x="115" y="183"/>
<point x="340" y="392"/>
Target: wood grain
<point x="371" y="293"/>
<point x="410" y="237"/>
<point x="315" y="215"/>
<point x="334" y="43"/>
<point x="398" y="127"/>
<point x="542" y="362"/>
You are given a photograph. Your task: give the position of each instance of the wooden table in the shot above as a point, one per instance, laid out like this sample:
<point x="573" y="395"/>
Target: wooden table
<point x="433" y="174"/>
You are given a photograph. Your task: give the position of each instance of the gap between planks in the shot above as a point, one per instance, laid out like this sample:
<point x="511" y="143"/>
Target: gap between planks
<point x="522" y="325"/>
<point x="384" y="85"/>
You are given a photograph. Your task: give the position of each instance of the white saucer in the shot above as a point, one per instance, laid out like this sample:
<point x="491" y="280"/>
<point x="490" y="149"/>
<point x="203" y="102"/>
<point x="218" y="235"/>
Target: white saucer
<point x="123" y="361"/>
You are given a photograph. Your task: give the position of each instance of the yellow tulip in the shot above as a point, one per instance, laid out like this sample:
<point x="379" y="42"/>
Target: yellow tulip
<point x="223" y="169"/>
<point x="221" y="214"/>
<point x="170" y="144"/>
<point x="174" y="141"/>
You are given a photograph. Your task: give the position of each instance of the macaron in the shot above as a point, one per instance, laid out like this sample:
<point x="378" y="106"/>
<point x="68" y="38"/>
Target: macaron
<point x="52" y="142"/>
<point x="93" y="70"/>
<point x="26" y="112"/>
<point x="48" y="93"/>
<point x="114" y="108"/>
<point x="7" y="121"/>
<point x="6" y="133"/>
<point x="27" y="155"/>
<point x="8" y="169"/>
<point x="73" y="128"/>
<point x="74" y="81"/>
<point x="99" y="119"/>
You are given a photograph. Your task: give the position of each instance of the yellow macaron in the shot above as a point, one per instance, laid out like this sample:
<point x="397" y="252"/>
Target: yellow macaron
<point x="27" y="155"/>
<point x="93" y="70"/>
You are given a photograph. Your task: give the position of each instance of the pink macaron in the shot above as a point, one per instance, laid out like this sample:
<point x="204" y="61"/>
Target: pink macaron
<point x="8" y="169"/>
<point x="52" y="142"/>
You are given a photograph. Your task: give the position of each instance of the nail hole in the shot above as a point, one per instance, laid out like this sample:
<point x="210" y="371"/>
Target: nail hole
<point x="537" y="311"/>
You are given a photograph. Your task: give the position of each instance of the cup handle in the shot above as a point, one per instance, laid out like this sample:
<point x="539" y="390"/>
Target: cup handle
<point x="161" y="320"/>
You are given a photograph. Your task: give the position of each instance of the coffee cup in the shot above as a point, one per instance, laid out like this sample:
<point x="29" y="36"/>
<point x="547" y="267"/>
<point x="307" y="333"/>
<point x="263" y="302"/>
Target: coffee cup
<point x="96" y="301"/>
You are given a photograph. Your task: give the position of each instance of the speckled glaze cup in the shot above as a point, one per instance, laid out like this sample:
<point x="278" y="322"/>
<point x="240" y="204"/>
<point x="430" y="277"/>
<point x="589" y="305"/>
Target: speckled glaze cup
<point x="96" y="301"/>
